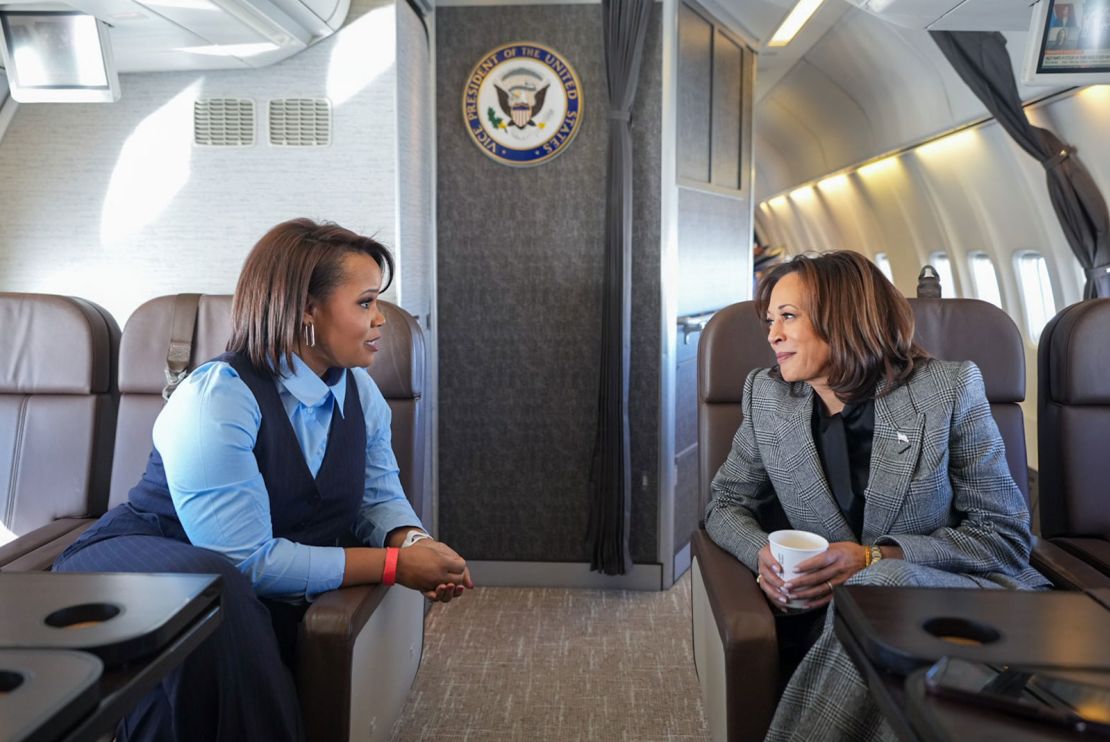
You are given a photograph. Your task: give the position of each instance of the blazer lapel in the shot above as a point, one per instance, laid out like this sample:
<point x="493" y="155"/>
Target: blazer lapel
<point x="895" y="449"/>
<point x="803" y="466"/>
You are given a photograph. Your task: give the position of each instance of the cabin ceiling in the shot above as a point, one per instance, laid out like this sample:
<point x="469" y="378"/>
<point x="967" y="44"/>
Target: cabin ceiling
<point x="852" y="85"/>
<point x="758" y="20"/>
<point x="166" y="35"/>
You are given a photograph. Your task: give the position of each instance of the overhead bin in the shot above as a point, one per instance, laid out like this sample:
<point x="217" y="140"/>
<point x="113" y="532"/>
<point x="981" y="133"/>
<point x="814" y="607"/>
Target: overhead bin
<point x="951" y="15"/>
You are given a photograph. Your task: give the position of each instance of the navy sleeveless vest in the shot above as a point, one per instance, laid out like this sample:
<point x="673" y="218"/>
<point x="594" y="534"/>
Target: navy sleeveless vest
<point x="315" y="512"/>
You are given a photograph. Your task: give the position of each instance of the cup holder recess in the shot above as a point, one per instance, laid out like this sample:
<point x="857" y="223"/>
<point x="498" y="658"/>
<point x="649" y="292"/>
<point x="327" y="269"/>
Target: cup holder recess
<point x="82" y="616"/>
<point x="961" y="631"/>
<point x="9" y="681"/>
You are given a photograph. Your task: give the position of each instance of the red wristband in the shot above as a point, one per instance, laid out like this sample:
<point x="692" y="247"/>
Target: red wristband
<point x="389" y="574"/>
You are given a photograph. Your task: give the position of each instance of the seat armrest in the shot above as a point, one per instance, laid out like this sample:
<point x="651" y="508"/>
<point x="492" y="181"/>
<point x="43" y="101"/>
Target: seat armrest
<point x="1065" y="570"/>
<point x="739" y="605"/>
<point x="37" y="550"/>
<point x="747" y="629"/>
<point x="324" y="649"/>
<point x="1092" y="550"/>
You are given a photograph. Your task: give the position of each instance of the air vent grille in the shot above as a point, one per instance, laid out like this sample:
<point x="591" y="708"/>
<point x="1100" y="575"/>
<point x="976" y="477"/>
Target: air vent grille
<point x="223" y="122"/>
<point x="300" y="122"/>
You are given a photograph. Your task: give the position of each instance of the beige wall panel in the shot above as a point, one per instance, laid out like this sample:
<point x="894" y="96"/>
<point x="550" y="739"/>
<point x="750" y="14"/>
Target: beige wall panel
<point x="839" y="202"/>
<point x="794" y="141"/>
<point x="814" y="98"/>
<point x="116" y="204"/>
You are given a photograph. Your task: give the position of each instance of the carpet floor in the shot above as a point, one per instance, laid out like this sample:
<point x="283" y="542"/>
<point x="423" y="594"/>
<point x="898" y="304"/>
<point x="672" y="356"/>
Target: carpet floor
<point x="551" y="664"/>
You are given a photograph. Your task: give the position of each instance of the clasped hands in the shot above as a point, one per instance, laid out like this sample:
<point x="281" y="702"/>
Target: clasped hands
<point x="816" y="575"/>
<point x="433" y="568"/>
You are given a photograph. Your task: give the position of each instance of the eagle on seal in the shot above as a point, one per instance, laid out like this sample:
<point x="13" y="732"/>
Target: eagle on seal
<point x="521" y="101"/>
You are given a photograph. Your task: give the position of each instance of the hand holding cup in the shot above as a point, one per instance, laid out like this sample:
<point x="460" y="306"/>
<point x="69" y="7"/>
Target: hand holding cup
<point x="788" y="549"/>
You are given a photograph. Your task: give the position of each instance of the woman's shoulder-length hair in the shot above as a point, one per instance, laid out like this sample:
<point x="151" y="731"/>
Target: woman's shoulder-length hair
<point x="866" y="321"/>
<point x="293" y="261"/>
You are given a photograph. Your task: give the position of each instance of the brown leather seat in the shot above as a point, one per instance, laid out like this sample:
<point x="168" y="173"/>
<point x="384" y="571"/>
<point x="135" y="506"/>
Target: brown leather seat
<point x="734" y="633"/>
<point x="973" y="330"/>
<point x="735" y="651"/>
<point x="1073" y="430"/>
<point x="398" y="370"/>
<point x="359" y="647"/>
<point x="142" y="366"/>
<point x="57" y="414"/>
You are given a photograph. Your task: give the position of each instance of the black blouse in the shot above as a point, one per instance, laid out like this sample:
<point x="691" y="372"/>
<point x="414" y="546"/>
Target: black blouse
<point x="843" y="444"/>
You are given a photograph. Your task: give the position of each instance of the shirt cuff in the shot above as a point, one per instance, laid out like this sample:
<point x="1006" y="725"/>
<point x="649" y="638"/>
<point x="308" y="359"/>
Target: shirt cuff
<point x="919" y="549"/>
<point x="326" y="568"/>
<point x="377" y="521"/>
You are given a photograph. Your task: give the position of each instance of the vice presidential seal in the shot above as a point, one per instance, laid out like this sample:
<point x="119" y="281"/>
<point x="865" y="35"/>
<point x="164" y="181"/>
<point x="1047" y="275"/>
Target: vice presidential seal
<point x="522" y="104"/>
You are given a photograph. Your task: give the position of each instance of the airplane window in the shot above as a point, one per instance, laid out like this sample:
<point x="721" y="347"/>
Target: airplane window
<point x="943" y="265"/>
<point x="985" y="278"/>
<point x="1036" y="291"/>
<point x="883" y="262"/>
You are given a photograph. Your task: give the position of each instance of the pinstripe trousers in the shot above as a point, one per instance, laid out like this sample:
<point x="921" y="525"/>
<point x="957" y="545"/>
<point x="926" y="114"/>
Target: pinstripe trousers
<point x="234" y="687"/>
<point x="827" y="700"/>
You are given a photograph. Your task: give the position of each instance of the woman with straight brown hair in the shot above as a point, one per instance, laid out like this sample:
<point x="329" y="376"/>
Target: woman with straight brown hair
<point x="263" y="459"/>
<point x="892" y="457"/>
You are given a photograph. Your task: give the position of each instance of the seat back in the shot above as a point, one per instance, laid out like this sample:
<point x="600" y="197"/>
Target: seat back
<point x="57" y="409"/>
<point x="142" y="361"/>
<point x="978" y="331"/>
<point x="1073" y="425"/>
<point x="735" y="342"/>
<point x="398" y="370"/>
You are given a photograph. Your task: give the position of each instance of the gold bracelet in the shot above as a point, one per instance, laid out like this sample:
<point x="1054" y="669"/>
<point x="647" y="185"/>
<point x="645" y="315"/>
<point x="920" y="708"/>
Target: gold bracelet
<point x="866" y="556"/>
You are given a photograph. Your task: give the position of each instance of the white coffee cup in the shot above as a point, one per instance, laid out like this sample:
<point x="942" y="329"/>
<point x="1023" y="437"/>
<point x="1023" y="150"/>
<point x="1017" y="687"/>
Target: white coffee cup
<point x="791" y="548"/>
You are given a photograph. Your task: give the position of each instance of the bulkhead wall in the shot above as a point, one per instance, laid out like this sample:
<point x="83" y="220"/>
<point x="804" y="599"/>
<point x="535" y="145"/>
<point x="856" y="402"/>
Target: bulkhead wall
<point x="520" y="271"/>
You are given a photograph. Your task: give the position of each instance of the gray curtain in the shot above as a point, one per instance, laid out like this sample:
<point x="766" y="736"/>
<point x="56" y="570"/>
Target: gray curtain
<point x="983" y="63"/>
<point x="624" y="25"/>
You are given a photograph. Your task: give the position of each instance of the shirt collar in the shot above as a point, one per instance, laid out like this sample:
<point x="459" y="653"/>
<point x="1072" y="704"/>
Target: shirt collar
<point x="308" y="388"/>
<point x="856" y="416"/>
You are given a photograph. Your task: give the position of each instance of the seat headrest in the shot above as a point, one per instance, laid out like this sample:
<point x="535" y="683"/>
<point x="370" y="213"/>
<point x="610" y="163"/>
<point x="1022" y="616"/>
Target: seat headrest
<point x="146" y="337"/>
<point x="1078" y="346"/>
<point x="974" y="330"/>
<point x="54" y="345"/>
<point x="398" y="369"/>
<point x="735" y="341"/>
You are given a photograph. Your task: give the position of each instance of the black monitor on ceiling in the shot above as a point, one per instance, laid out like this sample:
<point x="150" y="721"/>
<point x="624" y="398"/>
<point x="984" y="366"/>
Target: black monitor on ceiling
<point x="57" y="57"/>
<point x="1069" y="43"/>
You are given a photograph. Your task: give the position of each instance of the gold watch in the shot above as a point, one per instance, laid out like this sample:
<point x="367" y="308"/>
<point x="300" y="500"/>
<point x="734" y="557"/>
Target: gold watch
<point x="876" y="554"/>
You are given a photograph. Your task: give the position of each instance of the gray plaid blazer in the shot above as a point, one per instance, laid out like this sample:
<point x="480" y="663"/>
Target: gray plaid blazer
<point x="940" y="487"/>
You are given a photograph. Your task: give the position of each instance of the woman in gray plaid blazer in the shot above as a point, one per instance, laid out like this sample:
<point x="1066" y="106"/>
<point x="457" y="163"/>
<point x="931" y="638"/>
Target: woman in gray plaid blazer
<point x="934" y="504"/>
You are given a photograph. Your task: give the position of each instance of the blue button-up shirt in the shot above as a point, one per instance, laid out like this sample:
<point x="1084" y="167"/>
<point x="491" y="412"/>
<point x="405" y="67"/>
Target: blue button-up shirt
<point x="206" y="434"/>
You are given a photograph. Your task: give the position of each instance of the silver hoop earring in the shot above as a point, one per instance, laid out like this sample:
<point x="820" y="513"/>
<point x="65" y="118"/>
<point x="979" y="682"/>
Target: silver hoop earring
<point x="309" y="335"/>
